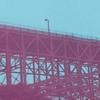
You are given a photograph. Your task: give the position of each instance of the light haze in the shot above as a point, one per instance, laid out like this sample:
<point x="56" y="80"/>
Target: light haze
<point x="76" y="16"/>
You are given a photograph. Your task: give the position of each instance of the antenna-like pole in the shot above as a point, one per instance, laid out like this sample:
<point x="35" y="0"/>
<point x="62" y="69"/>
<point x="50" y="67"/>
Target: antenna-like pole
<point x="47" y="20"/>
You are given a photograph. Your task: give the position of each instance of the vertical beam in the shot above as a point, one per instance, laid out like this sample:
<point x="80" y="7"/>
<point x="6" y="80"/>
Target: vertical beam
<point x="38" y="58"/>
<point x="34" y="76"/>
<point x="99" y="73"/>
<point x="67" y="69"/>
<point x="52" y="55"/>
<point x="8" y="67"/>
<point x="52" y="67"/>
<point x="23" y="58"/>
<point x="23" y="69"/>
<point x="58" y="69"/>
<point x="39" y="69"/>
<point x="91" y="82"/>
<point x="46" y="68"/>
<point x="79" y="77"/>
<point x="65" y="58"/>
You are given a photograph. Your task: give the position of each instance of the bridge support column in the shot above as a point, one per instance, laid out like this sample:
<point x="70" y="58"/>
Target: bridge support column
<point x="8" y="69"/>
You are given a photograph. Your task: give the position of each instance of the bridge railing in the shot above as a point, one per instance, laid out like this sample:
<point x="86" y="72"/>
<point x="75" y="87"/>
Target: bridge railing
<point x="44" y="31"/>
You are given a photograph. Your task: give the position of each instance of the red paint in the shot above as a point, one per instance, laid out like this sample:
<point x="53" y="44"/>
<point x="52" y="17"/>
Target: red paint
<point x="35" y="65"/>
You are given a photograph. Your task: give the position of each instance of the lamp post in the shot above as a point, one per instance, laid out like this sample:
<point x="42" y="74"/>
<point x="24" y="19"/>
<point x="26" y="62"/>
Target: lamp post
<point x="47" y="20"/>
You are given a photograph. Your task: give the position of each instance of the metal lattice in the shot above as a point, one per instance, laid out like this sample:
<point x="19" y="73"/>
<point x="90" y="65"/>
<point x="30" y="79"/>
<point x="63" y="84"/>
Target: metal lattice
<point x="35" y="65"/>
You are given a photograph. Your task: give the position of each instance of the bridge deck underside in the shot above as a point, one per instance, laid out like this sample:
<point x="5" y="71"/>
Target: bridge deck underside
<point x="64" y="67"/>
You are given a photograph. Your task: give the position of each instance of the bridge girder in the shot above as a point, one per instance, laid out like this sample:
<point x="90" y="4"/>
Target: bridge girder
<point x="60" y="66"/>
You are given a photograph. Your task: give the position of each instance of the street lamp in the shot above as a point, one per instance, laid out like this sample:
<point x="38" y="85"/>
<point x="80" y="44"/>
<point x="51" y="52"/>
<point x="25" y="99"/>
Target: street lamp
<point x="47" y="20"/>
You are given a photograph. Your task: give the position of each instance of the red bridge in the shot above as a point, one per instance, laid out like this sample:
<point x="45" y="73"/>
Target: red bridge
<point x="37" y="65"/>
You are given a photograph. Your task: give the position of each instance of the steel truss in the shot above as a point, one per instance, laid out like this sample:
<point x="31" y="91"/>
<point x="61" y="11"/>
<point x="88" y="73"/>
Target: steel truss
<point x="35" y="65"/>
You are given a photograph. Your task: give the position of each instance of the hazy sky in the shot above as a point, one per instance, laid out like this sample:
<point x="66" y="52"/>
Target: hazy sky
<point x="77" y="16"/>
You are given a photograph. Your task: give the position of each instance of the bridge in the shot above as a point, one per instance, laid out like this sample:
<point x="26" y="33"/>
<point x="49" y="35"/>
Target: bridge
<point x="37" y="65"/>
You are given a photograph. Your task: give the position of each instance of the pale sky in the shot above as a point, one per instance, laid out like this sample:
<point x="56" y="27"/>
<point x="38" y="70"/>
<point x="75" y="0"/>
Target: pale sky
<point x="76" y="16"/>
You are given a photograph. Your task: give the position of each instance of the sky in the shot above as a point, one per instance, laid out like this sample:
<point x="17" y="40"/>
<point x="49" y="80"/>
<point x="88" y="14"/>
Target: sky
<point x="74" y="16"/>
